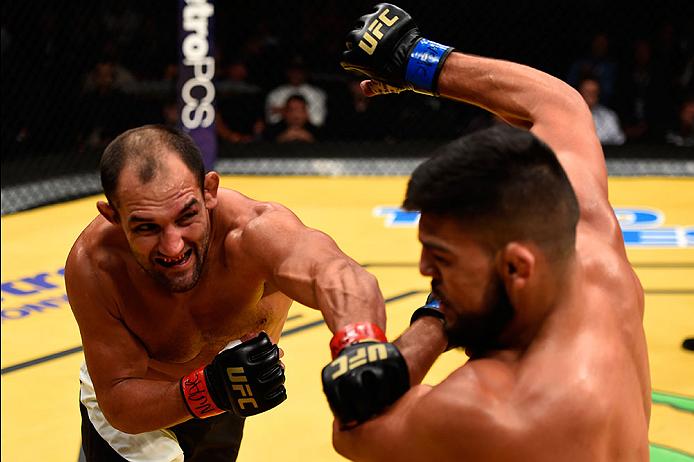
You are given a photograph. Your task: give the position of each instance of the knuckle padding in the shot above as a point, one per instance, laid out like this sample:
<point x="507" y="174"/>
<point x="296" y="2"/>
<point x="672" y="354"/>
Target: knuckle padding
<point x="366" y="389"/>
<point x="261" y="380"/>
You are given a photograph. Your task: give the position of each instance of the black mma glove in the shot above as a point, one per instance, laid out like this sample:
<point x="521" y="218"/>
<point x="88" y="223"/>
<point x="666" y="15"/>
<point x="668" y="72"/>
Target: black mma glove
<point x="247" y="379"/>
<point x="387" y="47"/>
<point x="363" y="380"/>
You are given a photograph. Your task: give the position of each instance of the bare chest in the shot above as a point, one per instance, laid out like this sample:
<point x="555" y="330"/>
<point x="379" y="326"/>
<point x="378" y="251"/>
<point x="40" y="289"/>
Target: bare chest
<point x="189" y="332"/>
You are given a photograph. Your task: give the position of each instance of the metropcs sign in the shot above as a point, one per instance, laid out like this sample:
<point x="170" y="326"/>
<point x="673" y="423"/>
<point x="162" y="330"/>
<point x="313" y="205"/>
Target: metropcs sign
<point x="641" y="227"/>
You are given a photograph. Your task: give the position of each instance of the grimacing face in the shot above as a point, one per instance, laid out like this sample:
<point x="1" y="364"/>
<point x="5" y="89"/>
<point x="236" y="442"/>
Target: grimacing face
<point x="473" y="297"/>
<point x="167" y="226"/>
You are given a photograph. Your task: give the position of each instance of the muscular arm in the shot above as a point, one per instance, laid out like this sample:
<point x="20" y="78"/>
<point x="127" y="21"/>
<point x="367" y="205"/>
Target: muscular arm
<point x="549" y="108"/>
<point x="307" y="265"/>
<point x="116" y="361"/>
<point x="420" y="345"/>
<point x="474" y="421"/>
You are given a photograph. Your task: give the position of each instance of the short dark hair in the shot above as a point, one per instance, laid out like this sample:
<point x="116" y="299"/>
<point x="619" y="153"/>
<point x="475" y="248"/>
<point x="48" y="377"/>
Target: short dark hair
<point x="503" y="184"/>
<point x="296" y="97"/>
<point x="145" y="145"/>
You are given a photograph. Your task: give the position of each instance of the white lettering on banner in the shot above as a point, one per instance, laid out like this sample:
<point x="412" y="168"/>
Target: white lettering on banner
<point x="198" y="92"/>
<point x="641" y="226"/>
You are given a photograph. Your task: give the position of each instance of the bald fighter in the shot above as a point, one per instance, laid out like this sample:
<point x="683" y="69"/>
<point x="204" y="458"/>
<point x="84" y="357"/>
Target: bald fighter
<point x="528" y="271"/>
<point x="180" y="289"/>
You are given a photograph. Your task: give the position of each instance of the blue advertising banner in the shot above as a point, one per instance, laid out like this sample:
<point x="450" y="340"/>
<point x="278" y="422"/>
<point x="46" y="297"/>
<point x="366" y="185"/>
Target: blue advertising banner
<point x="196" y="67"/>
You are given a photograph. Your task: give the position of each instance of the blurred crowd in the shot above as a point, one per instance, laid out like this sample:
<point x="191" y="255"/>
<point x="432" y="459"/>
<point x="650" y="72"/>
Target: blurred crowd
<point x="75" y="75"/>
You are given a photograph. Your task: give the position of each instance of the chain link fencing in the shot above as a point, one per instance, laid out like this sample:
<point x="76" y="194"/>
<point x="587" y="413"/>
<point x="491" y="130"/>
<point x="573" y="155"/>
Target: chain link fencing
<point x="75" y="74"/>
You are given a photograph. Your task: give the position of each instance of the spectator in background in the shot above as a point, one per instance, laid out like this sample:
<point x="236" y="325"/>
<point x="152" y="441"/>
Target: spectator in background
<point x="108" y="74"/>
<point x="638" y="93"/>
<point x="297" y="84"/>
<point x="294" y="125"/>
<point x="106" y="109"/>
<point x="597" y="65"/>
<point x="353" y="116"/>
<point x="683" y="133"/>
<point x="239" y="115"/>
<point x="605" y="119"/>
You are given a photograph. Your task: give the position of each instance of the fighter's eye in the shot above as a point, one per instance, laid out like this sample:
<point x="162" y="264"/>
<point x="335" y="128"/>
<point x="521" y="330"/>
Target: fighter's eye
<point x="441" y="260"/>
<point x="187" y="217"/>
<point x="145" y="228"/>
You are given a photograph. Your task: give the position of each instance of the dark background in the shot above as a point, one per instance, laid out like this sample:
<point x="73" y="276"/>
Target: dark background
<point x="54" y="123"/>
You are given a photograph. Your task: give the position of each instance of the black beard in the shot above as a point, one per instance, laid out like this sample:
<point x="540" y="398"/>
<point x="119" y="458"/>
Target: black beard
<point x="200" y="254"/>
<point x="479" y="332"/>
<point x="175" y="287"/>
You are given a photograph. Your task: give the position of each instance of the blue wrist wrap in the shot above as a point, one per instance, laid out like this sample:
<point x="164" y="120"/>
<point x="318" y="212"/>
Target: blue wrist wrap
<point x="424" y="65"/>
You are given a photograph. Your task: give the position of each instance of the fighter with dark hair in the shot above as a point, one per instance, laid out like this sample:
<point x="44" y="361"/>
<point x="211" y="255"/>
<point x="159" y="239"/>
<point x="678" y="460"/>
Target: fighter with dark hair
<point x="528" y="271"/>
<point x="180" y="290"/>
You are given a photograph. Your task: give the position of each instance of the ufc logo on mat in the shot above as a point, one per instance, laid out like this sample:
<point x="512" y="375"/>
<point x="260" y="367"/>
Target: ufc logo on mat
<point x="237" y="376"/>
<point x="359" y="357"/>
<point x="375" y="29"/>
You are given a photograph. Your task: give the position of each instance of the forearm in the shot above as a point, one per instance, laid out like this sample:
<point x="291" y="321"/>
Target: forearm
<point x="142" y="405"/>
<point x="345" y="293"/>
<point x="519" y="94"/>
<point x="420" y="345"/>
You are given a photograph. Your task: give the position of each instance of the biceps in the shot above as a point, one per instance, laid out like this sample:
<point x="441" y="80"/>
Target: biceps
<point x="112" y="354"/>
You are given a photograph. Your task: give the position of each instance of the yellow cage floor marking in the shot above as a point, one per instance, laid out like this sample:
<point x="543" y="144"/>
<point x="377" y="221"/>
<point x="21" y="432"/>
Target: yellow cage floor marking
<point x="40" y="416"/>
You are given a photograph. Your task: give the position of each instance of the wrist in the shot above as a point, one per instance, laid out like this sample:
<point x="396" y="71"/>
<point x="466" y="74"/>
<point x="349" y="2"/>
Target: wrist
<point x="197" y="395"/>
<point x="353" y="333"/>
<point x="431" y="308"/>
<point x="424" y="65"/>
<point x="429" y="312"/>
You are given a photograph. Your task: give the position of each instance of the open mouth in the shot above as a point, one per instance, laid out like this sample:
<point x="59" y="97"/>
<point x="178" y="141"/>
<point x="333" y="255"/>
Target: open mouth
<point x="173" y="262"/>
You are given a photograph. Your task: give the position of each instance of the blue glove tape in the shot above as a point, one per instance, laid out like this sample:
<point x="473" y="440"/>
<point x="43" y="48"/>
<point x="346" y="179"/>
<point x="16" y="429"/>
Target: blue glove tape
<point x="423" y="65"/>
<point x="432" y="307"/>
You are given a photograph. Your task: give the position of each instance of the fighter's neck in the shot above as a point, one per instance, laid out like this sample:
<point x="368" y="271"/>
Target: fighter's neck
<point x="534" y="312"/>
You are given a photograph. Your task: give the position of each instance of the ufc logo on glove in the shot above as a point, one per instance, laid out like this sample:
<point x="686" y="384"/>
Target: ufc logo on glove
<point x="237" y="376"/>
<point x="375" y="29"/>
<point x="359" y="357"/>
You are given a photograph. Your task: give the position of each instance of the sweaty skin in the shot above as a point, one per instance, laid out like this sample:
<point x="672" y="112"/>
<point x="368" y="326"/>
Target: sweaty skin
<point x="140" y="336"/>
<point x="574" y="383"/>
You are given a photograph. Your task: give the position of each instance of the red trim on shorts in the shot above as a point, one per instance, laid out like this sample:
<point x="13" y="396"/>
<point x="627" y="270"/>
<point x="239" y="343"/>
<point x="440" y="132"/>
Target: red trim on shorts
<point x="353" y="333"/>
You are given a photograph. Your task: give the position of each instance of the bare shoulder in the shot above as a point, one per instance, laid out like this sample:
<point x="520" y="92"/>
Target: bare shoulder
<point x="478" y="390"/>
<point x="261" y="231"/>
<point x="475" y="403"/>
<point x="96" y="256"/>
<point x="239" y="211"/>
<point x="606" y="267"/>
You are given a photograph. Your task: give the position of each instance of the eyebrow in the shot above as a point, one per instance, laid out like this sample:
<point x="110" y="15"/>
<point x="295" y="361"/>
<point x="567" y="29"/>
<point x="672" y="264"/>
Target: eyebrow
<point x="435" y="246"/>
<point x="138" y="219"/>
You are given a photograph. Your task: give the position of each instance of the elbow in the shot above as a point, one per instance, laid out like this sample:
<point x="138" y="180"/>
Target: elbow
<point x="575" y="104"/>
<point x="123" y="421"/>
<point x="119" y="421"/>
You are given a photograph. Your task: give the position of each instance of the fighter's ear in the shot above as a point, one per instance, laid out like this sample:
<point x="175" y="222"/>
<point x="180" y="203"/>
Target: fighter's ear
<point x="210" y="189"/>
<point x="108" y="212"/>
<point x="516" y="264"/>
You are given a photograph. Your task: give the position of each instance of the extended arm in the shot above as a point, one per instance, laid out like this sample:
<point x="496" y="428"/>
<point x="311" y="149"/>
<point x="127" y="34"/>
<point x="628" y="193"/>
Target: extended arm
<point x="308" y="266"/>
